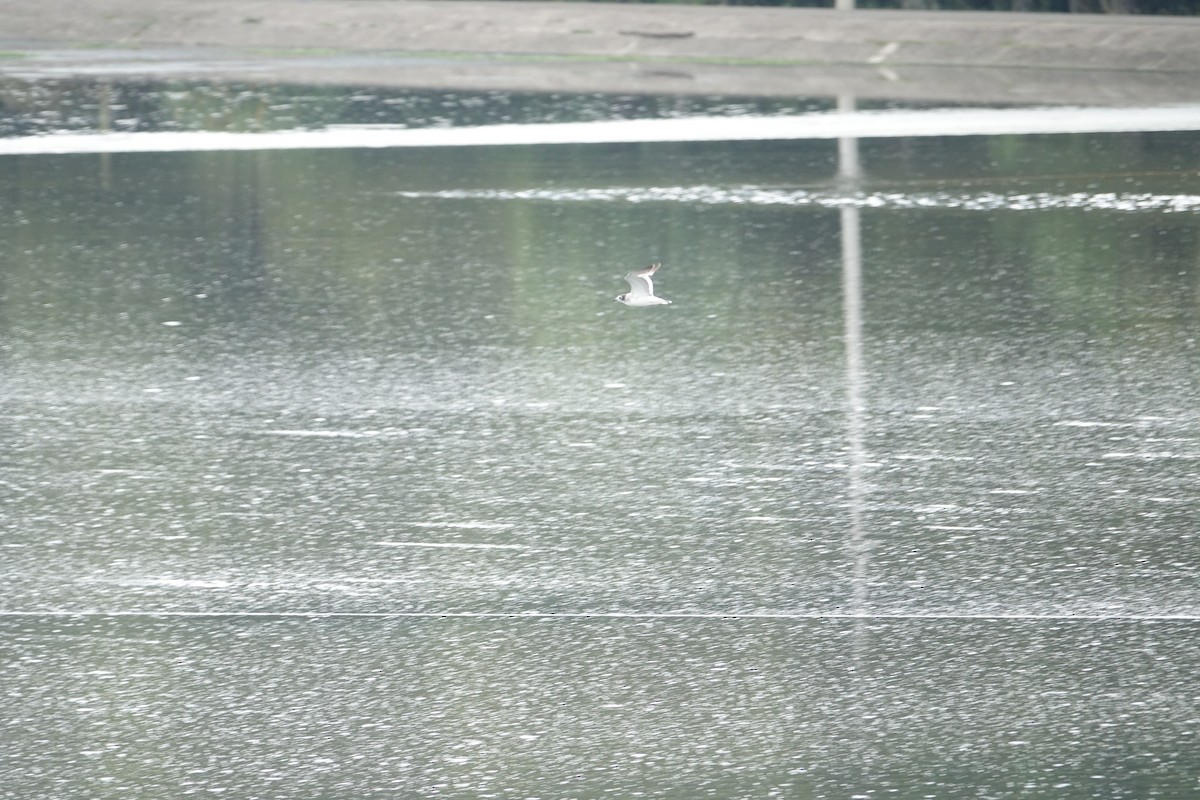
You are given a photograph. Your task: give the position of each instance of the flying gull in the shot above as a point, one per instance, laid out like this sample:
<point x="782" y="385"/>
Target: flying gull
<point x="642" y="288"/>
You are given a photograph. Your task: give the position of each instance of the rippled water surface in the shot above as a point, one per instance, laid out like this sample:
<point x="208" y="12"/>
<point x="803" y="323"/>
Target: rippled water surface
<point x="341" y="474"/>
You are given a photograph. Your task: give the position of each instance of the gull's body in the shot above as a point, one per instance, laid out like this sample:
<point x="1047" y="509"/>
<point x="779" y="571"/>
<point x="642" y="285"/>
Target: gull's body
<point x="641" y="288"/>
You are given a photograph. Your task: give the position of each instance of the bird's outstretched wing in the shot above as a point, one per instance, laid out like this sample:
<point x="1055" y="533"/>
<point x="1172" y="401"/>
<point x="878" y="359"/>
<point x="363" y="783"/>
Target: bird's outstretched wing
<point x="639" y="280"/>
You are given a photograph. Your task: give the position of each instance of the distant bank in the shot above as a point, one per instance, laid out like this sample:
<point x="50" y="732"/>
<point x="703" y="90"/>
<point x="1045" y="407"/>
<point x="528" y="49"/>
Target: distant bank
<point x="554" y="46"/>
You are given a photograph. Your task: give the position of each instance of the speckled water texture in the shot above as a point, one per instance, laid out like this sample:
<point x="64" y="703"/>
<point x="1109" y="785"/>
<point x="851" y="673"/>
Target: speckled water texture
<point x="339" y="473"/>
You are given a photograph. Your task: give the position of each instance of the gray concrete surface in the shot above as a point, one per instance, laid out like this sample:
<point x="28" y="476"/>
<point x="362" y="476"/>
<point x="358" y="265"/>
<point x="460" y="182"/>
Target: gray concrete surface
<point x="556" y="46"/>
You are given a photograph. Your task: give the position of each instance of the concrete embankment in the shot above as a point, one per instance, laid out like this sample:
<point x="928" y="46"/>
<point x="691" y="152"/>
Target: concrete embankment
<point x="556" y="46"/>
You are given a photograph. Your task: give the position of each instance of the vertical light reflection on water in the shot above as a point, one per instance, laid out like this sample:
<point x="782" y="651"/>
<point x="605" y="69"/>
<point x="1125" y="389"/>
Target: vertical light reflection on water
<point x="849" y="172"/>
<point x="855" y="405"/>
<point x="104" y="125"/>
<point x="848" y="168"/>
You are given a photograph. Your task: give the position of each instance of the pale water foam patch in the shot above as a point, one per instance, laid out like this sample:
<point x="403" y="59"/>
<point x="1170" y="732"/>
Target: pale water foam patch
<point x="767" y="196"/>
<point x="826" y="125"/>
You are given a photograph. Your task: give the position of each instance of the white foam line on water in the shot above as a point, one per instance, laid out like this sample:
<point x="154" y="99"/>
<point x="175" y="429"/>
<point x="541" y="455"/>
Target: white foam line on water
<point x="455" y="545"/>
<point x="1082" y="423"/>
<point x="483" y="526"/>
<point x="826" y="125"/>
<point x="168" y="583"/>
<point x="617" y="615"/>
<point x="1152" y="456"/>
<point x="322" y="434"/>
<point x="767" y="196"/>
<point x="958" y="528"/>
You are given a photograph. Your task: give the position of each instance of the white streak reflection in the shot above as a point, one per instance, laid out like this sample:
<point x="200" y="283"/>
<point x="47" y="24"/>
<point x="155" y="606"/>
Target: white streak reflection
<point x="454" y="545"/>
<point x="854" y="124"/>
<point x="855" y="403"/>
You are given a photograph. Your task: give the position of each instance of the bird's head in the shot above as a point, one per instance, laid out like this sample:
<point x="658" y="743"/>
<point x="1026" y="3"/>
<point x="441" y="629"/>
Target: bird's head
<point x="621" y="297"/>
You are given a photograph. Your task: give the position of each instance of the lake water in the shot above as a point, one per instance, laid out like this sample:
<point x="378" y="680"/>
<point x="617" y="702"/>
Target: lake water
<point x="339" y="473"/>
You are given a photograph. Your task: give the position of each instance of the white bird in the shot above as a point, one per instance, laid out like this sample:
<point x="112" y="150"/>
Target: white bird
<point x="642" y="288"/>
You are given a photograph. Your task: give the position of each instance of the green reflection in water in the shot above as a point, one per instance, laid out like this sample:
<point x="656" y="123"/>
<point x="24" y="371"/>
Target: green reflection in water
<point x="49" y="106"/>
